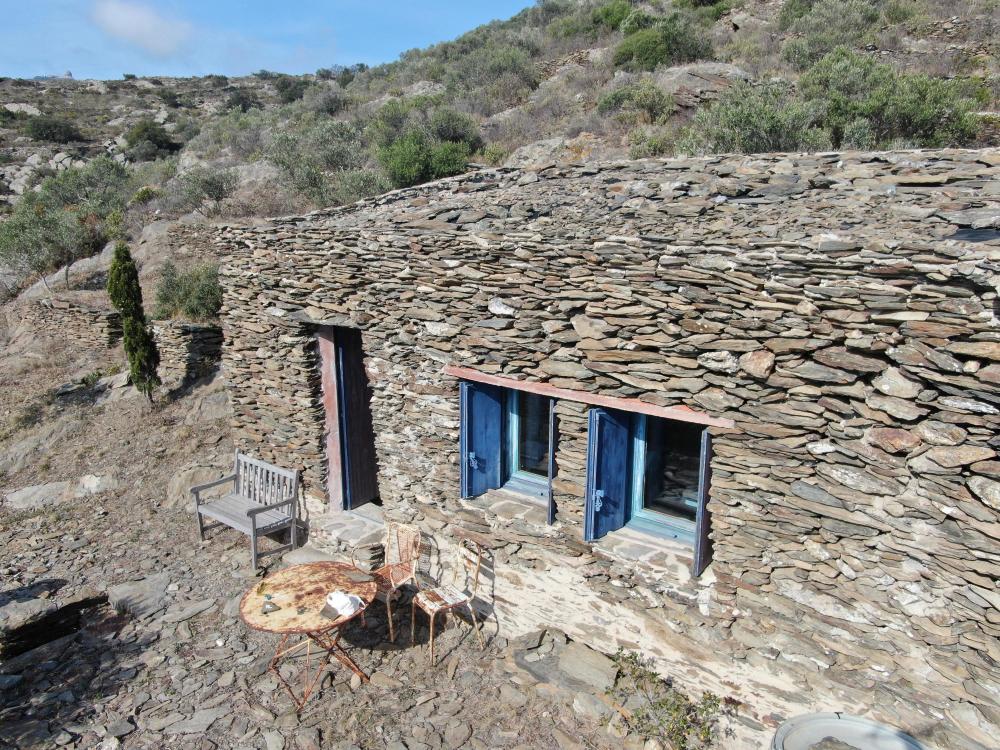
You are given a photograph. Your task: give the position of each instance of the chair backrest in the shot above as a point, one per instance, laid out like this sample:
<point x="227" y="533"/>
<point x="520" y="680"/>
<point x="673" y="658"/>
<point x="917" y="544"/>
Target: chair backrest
<point x="402" y="545"/>
<point x="469" y="564"/>
<point x="264" y="483"/>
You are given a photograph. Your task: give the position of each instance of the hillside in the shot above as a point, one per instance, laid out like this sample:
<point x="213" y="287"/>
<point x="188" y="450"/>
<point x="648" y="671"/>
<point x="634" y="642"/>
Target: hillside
<point x="563" y="81"/>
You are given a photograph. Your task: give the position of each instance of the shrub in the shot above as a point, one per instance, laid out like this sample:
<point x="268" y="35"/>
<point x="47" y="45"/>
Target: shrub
<point x="129" y="76"/>
<point x="350" y="185"/>
<point x="791" y="11"/>
<point x="242" y="99"/>
<point x="750" y="120"/>
<point x="612" y="14"/>
<point x="170" y="98"/>
<point x="495" y="154"/>
<point x="290" y="89"/>
<point x="448" y="125"/>
<point x="657" y="710"/>
<point x="867" y="104"/>
<point x="193" y="293"/>
<point x="637" y="20"/>
<point x="448" y="158"/>
<point x="52" y="128"/>
<point x="648" y="142"/>
<point x="137" y="340"/>
<point x="148" y="139"/>
<point x="216" y="81"/>
<point x="827" y="25"/>
<point x="673" y="40"/>
<point x="324" y="74"/>
<point x="145" y="194"/>
<point x="637" y="101"/>
<point x="37" y="239"/>
<point x="265" y="75"/>
<point x="203" y="183"/>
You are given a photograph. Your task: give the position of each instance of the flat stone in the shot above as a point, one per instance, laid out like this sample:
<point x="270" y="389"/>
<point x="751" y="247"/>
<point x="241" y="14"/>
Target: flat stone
<point x="892" y="439"/>
<point x="587" y="666"/>
<point x="38" y="495"/>
<point x="199" y="722"/>
<point x="951" y="458"/>
<point x="140" y="598"/>
<point x="892" y="382"/>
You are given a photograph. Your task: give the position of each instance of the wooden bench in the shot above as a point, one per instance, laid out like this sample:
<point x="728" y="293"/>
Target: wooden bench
<point x="264" y="500"/>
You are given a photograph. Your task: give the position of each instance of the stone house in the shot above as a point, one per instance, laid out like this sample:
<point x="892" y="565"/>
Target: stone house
<point x="739" y="412"/>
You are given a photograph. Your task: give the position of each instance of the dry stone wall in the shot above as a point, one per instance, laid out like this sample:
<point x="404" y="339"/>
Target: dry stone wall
<point x="93" y="328"/>
<point x="187" y="350"/>
<point x="841" y="309"/>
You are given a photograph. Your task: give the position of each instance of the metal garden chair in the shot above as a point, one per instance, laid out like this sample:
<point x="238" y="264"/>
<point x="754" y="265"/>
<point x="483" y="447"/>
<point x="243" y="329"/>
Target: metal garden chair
<point x="399" y="564"/>
<point x="459" y="593"/>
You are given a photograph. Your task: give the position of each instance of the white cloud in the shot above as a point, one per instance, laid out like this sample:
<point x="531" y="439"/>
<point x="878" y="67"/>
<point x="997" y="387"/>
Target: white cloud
<point x="142" y="25"/>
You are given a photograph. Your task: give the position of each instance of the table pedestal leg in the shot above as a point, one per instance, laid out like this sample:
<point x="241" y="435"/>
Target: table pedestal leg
<point x="332" y="648"/>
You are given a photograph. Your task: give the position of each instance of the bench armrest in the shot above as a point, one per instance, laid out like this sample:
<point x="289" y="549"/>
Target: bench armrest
<point x="280" y="504"/>
<point x="214" y="483"/>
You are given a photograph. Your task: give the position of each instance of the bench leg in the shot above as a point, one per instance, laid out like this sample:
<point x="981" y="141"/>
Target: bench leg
<point x="253" y="548"/>
<point x="295" y="532"/>
<point x="201" y="525"/>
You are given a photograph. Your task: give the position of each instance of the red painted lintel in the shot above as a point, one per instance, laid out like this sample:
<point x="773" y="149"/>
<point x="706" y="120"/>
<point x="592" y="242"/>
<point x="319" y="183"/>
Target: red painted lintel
<point x="679" y="413"/>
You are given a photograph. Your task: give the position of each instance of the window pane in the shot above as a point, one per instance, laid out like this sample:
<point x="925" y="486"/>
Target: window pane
<point x="673" y="456"/>
<point x="533" y="434"/>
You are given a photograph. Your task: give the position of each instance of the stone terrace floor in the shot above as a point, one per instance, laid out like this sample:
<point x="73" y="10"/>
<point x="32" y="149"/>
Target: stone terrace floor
<point x="186" y="672"/>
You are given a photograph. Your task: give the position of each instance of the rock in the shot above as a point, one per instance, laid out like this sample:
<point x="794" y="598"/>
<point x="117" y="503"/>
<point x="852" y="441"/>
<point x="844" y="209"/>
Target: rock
<point x="38" y="495"/>
<point x="274" y="741"/>
<point x="199" y="722"/>
<point x="951" y="458"/>
<point x="721" y="361"/>
<point x="382" y="680"/>
<point x="457" y="734"/>
<point x="511" y="696"/>
<point x="987" y="490"/>
<point x="120" y="728"/>
<point x="180" y="484"/>
<point x="140" y="598"/>
<point x="893" y="440"/>
<point x="757" y="364"/>
<point x="90" y="484"/>
<point x="187" y="610"/>
<point x="590" y="328"/>
<point x="590" y="708"/>
<point x="892" y="382"/>
<point x="583" y="665"/>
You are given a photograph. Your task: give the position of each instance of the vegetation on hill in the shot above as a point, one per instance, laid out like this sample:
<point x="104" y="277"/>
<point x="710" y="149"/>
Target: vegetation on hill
<point x="805" y="74"/>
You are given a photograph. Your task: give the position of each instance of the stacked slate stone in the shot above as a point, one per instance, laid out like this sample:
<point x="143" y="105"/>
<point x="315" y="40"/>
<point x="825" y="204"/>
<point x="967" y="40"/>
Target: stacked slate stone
<point x="840" y="309"/>
<point x="187" y="351"/>
<point x="90" y="327"/>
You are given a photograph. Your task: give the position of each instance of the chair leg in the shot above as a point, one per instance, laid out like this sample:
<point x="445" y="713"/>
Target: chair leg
<point x="432" y="637"/>
<point x="388" y="609"/>
<point x="413" y="621"/>
<point x="475" y="626"/>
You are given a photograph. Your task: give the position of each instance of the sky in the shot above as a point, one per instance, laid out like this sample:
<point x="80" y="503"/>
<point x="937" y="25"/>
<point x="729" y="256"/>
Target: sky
<point x="108" y="38"/>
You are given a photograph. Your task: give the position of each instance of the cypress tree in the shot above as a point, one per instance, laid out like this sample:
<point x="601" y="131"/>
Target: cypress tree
<point x="126" y="296"/>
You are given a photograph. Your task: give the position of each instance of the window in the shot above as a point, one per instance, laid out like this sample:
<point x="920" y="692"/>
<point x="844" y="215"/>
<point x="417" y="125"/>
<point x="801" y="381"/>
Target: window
<point x="506" y="440"/>
<point x="649" y="473"/>
<point x="527" y="437"/>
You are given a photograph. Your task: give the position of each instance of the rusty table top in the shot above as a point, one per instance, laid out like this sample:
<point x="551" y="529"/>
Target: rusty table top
<point x="300" y="592"/>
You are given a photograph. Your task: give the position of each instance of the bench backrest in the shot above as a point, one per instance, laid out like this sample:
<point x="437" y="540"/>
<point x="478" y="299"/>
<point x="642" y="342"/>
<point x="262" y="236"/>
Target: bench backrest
<point x="264" y="483"/>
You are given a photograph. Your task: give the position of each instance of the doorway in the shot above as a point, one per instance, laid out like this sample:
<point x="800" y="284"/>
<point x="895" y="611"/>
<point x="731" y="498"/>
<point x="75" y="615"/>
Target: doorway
<point x="351" y="461"/>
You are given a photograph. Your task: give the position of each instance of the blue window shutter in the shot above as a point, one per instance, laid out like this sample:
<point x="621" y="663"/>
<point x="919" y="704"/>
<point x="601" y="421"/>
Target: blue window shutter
<point x="703" y="519"/>
<point x="552" y="460"/>
<point x="480" y="438"/>
<point x="609" y="474"/>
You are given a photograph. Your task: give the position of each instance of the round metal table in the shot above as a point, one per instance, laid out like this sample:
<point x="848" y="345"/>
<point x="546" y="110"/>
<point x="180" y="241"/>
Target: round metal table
<point x="300" y="594"/>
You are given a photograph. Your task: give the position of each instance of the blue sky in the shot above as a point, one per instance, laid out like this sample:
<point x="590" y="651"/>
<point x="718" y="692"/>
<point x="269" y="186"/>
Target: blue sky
<point x="106" y="38"/>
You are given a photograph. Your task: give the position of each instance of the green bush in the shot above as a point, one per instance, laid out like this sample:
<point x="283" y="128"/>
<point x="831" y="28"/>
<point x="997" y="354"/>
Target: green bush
<point x="671" y="41"/>
<point x="641" y="101"/>
<point x="202" y="183"/>
<point x="290" y="89"/>
<point x="649" y="142"/>
<point x="193" y="293"/>
<point x="129" y="76"/>
<point x="750" y="120"/>
<point x="448" y="158"/>
<point x="52" y="128"/>
<point x="216" y="81"/>
<point x="637" y="20"/>
<point x="829" y="24"/>
<point x="866" y="104"/>
<point x="242" y="99"/>
<point x="611" y="15"/>
<point x="448" y="125"/>
<point x="791" y="11"/>
<point x="415" y="158"/>
<point x="170" y="98"/>
<point x="145" y="194"/>
<point x="148" y="139"/>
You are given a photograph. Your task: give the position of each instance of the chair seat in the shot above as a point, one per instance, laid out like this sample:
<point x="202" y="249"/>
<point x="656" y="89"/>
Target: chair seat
<point x="383" y="577"/>
<point x="440" y="597"/>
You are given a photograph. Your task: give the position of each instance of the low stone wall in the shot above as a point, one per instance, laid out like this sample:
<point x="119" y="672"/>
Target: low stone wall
<point x="92" y="328"/>
<point x="187" y="350"/>
<point x="822" y="303"/>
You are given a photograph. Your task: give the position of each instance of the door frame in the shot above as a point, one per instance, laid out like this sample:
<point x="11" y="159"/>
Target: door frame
<point x="331" y="415"/>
